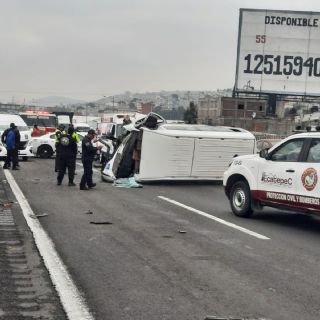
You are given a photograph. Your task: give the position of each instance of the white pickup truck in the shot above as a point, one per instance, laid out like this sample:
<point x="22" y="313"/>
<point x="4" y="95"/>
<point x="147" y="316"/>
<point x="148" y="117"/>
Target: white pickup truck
<point x="285" y="177"/>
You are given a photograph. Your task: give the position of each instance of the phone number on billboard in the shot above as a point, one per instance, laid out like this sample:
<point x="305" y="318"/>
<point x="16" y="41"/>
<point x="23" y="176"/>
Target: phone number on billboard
<point x="281" y="65"/>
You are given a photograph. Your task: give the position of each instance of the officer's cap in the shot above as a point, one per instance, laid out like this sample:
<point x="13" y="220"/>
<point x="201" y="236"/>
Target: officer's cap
<point x="91" y="131"/>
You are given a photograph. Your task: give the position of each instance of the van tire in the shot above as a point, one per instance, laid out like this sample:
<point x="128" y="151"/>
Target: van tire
<point x="45" y="151"/>
<point x="240" y="199"/>
<point x="24" y="158"/>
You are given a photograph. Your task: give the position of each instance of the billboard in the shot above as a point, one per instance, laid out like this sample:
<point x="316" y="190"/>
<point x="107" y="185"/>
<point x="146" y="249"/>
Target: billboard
<point x="278" y="52"/>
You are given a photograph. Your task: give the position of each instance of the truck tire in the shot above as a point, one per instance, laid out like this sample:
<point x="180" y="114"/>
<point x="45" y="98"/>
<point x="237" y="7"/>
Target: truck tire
<point x="240" y="199"/>
<point x="45" y="151"/>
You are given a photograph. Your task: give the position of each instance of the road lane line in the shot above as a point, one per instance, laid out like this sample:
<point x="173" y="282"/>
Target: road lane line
<point x="71" y="299"/>
<point x="204" y="214"/>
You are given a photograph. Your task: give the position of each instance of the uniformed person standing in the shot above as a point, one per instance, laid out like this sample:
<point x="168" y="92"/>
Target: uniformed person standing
<point x="67" y="150"/>
<point x="88" y="153"/>
<point x="4" y="136"/>
<point x="75" y="136"/>
<point x="59" y="131"/>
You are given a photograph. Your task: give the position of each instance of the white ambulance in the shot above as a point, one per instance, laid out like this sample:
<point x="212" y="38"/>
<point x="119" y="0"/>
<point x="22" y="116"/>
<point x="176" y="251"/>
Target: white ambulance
<point x="285" y="177"/>
<point x="25" y="148"/>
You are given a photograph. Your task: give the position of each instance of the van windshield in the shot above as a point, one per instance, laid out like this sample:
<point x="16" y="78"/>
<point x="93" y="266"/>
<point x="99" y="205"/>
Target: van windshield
<point x="23" y="128"/>
<point x="47" y="121"/>
<point x="20" y="128"/>
<point x="83" y="129"/>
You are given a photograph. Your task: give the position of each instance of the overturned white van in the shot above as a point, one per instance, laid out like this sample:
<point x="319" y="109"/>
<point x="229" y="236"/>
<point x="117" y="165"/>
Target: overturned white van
<point x="155" y="150"/>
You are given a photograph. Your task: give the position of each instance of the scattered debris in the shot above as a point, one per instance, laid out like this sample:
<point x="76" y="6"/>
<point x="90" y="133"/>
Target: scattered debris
<point x="231" y="318"/>
<point x="219" y="318"/>
<point x="182" y="231"/>
<point x="127" y="183"/>
<point x="167" y="236"/>
<point x="100" y="222"/>
<point x="41" y="215"/>
<point x="5" y="205"/>
<point x="88" y="212"/>
<point x="35" y="216"/>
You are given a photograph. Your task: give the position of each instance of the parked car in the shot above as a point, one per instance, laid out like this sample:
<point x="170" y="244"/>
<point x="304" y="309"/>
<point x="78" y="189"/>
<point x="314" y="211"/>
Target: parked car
<point x="44" y="146"/>
<point x="81" y="127"/>
<point x="286" y="176"/>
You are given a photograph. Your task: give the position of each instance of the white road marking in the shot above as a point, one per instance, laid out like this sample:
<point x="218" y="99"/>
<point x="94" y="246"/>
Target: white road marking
<point x="71" y="299"/>
<point x="204" y="214"/>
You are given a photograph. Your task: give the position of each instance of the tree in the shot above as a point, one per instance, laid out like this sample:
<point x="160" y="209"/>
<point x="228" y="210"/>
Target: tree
<point x="191" y="114"/>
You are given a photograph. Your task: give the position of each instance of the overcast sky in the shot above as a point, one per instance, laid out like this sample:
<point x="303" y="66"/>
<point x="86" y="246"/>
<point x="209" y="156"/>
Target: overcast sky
<point x="87" y="49"/>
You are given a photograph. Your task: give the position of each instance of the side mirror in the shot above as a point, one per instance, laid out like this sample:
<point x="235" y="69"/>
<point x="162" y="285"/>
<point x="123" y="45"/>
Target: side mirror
<point x="264" y="154"/>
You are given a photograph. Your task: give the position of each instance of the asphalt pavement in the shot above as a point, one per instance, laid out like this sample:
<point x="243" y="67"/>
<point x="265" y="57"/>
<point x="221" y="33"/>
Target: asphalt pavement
<point x="171" y="250"/>
<point x="26" y="289"/>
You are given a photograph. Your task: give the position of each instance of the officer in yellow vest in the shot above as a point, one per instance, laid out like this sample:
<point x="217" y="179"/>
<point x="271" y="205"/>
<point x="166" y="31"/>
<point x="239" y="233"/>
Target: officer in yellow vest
<point x="59" y="131"/>
<point x="74" y="135"/>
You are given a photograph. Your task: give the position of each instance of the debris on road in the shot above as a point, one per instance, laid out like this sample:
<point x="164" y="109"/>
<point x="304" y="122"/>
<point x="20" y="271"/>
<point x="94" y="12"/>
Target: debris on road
<point x="5" y="204"/>
<point x="127" y="183"/>
<point x="88" y="212"/>
<point x="231" y="318"/>
<point x="35" y="216"/>
<point x="100" y="222"/>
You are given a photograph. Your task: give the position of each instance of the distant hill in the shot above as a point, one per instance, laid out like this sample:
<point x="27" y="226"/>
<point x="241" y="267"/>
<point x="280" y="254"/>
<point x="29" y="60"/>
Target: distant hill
<point x="54" y="101"/>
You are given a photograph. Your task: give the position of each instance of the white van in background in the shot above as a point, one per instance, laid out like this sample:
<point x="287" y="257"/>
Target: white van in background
<point x="25" y="149"/>
<point x="113" y="124"/>
<point x="81" y="127"/>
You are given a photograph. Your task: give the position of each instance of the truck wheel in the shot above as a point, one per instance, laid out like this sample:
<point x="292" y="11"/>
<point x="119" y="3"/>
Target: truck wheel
<point x="45" y="151"/>
<point x="240" y="199"/>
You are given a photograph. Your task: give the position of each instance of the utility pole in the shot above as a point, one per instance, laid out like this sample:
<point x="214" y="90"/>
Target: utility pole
<point x="112" y="104"/>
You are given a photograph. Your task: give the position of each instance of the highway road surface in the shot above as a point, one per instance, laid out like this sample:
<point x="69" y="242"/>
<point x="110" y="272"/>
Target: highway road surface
<point x="175" y="250"/>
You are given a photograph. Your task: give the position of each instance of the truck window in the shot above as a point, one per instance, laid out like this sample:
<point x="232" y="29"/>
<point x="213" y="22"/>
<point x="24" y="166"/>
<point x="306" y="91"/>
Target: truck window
<point x="314" y="151"/>
<point x="289" y="151"/>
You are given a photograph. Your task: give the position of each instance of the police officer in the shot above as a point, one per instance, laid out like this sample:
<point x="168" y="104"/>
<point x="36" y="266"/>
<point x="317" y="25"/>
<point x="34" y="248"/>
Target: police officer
<point x="8" y="159"/>
<point x="59" y="131"/>
<point x="88" y="153"/>
<point x="67" y="151"/>
<point x="76" y="138"/>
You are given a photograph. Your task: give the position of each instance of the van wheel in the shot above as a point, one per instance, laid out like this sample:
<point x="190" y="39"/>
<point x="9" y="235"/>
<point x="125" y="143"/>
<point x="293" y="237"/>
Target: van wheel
<point x="240" y="199"/>
<point x="45" y="151"/>
<point x="24" y="158"/>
